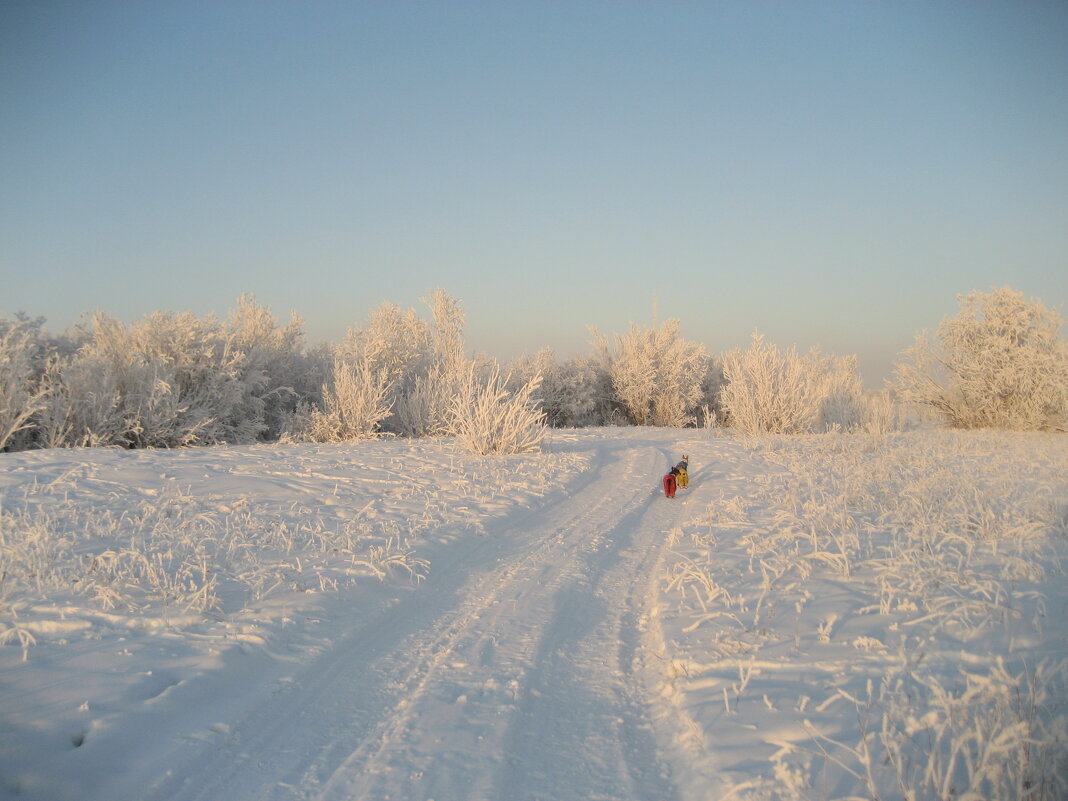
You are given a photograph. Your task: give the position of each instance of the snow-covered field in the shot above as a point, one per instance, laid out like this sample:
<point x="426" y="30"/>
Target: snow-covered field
<point x="875" y="617"/>
<point x="815" y="617"/>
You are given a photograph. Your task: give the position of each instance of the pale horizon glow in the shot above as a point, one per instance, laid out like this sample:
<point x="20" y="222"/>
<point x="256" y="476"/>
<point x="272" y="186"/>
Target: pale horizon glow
<point x="829" y="174"/>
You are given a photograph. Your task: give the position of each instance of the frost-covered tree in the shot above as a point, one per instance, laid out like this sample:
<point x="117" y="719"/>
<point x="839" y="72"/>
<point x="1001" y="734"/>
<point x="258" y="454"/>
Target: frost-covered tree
<point x="771" y="391"/>
<point x="275" y="372"/>
<point x="164" y="381"/>
<point x="767" y="390"/>
<point x="582" y="393"/>
<point x="489" y="419"/>
<point x="1000" y="363"/>
<point x="426" y="407"/>
<point x="396" y="344"/>
<point x="573" y="393"/>
<point x="174" y="379"/>
<point x="355" y="402"/>
<point x="843" y="404"/>
<point x="656" y="375"/>
<point x="883" y="414"/>
<point x="710" y="415"/>
<point x="185" y="367"/>
<point x="87" y="404"/>
<point x="399" y="363"/>
<point x="21" y="396"/>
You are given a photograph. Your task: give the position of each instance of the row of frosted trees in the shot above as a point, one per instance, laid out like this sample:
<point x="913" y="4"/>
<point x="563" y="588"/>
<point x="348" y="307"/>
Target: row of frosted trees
<point x="170" y="380"/>
<point x="176" y="379"/>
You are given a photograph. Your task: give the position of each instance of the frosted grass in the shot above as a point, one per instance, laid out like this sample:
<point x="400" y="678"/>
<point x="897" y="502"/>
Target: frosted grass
<point x="77" y="546"/>
<point x="908" y="591"/>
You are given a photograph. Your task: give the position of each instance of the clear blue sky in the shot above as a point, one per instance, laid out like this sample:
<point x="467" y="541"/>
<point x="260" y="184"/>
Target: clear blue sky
<point x="829" y="173"/>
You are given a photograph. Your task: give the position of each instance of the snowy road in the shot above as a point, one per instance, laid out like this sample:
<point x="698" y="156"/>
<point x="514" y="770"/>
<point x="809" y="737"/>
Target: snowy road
<point x="578" y="636"/>
<point x="513" y="672"/>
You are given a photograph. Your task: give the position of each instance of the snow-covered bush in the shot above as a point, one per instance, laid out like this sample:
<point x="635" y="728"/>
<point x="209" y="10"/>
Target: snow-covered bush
<point x="582" y="392"/>
<point x="165" y="381"/>
<point x="573" y="394"/>
<point x="771" y="391"/>
<point x="207" y="372"/>
<point x="656" y="375"/>
<point x="450" y="371"/>
<point x="355" y="402"/>
<point x="20" y="394"/>
<point x="883" y="414"/>
<point x="489" y="419"/>
<point x="991" y="734"/>
<point x="175" y="379"/>
<point x="1000" y="363"/>
<point x="84" y="405"/>
<point x="447" y="332"/>
<point x="418" y="412"/>
<point x="420" y="366"/>
<point x="397" y="345"/>
<point x="710" y="412"/>
<point x="276" y="372"/>
<point x="843" y="404"/>
<point x="432" y="371"/>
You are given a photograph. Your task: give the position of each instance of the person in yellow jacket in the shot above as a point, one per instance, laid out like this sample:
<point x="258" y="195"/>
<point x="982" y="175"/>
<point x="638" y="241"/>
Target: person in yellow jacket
<point x="683" y="477"/>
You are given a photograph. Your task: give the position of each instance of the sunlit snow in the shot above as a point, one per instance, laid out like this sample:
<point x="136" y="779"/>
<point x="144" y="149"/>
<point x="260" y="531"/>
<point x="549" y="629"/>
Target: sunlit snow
<point x="400" y="619"/>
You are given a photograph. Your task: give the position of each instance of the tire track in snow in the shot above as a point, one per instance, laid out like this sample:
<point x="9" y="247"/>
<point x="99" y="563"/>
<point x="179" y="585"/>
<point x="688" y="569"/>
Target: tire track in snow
<point x="456" y="737"/>
<point x="336" y="701"/>
<point x="457" y="691"/>
<point x="584" y="731"/>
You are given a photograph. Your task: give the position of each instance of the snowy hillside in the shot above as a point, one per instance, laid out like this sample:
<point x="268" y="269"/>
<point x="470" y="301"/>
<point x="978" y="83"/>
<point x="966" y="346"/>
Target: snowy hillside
<point x="814" y="617"/>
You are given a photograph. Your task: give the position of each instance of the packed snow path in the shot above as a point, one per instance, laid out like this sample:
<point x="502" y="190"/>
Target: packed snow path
<point x="513" y="672"/>
<point x="578" y="636"/>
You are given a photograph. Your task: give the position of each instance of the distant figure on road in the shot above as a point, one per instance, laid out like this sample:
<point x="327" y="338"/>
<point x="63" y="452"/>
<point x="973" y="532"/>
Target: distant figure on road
<point x="683" y="476"/>
<point x="670" y="483"/>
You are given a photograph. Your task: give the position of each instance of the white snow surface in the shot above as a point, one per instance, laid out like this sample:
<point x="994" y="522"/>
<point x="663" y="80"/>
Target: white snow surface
<point x="544" y="626"/>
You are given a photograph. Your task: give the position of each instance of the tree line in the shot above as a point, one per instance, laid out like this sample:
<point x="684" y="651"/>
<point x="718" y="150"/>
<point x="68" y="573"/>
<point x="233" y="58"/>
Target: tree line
<point x="176" y="379"/>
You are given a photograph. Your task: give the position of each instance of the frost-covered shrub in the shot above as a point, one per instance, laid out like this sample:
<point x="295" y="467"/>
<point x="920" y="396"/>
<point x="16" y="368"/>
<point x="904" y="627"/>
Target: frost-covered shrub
<point x="1000" y="363"/>
<point x="842" y="402"/>
<point x="147" y="385"/>
<point x="582" y="392"/>
<point x="573" y="394"/>
<point x="426" y="363"/>
<point x="656" y="375"/>
<point x="397" y="345"/>
<point x="165" y="381"/>
<point x="355" y="403"/>
<point x="447" y="332"/>
<point x="450" y="371"/>
<point x="175" y="379"/>
<point x="21" y="397"/>
<point x="710" y="414"/>
<point x="418" y="412"/>
<point x="206" y="372"/>
<point x="84" y="406"/>
<point x="771" y="391"/>
<point x="984" y="735"/>
<point x="488" y="419"/>
<point x="276" y="374"/>
<point x="767" y="390"/>
<point x="421" y="364"/>
<point x="883" y="414"/>
<point x="394" y="341"/>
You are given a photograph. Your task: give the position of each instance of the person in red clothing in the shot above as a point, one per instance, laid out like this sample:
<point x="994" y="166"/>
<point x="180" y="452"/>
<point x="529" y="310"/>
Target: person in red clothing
<point x="670" y="483"/>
